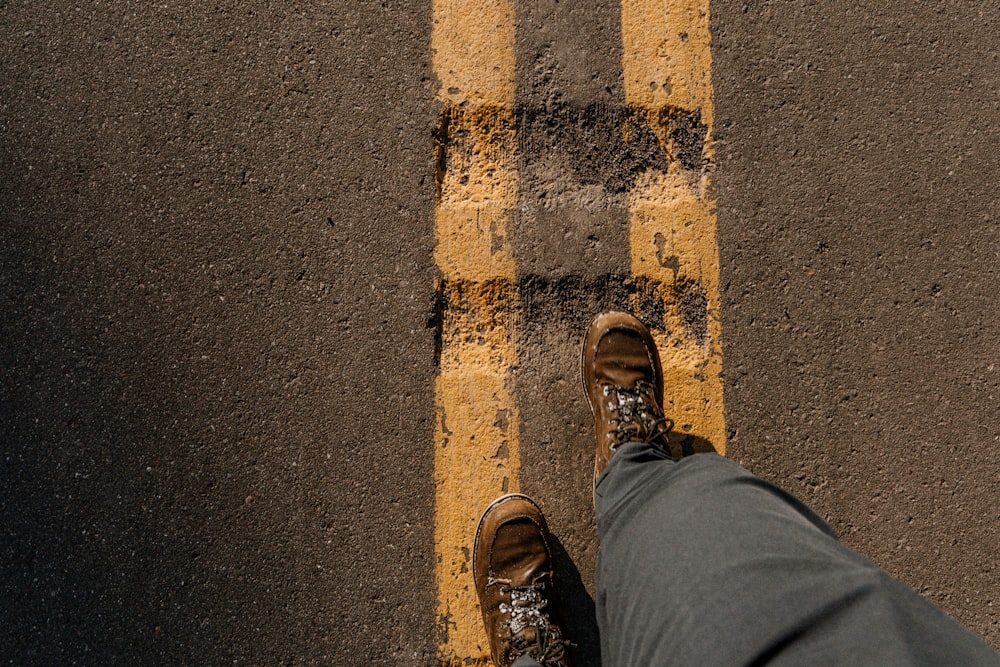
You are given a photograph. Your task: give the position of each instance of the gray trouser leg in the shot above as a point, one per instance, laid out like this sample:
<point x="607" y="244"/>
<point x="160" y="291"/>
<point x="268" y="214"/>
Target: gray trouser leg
<point x="701" y="563"/>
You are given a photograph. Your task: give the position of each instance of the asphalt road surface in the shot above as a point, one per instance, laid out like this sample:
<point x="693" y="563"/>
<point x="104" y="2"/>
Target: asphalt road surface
<point x="218" y="294"/>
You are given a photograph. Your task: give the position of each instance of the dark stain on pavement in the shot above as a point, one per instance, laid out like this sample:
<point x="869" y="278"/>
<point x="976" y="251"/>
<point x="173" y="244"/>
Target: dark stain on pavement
<point x="602" y="144"/>
<point x="573" y="299"/>
<point x="688" y="133"/>
<point x="570" y="299"/>
<point x="436" y="321"/>
<point x="651" y="308"/>
<point x="692" y="304"/>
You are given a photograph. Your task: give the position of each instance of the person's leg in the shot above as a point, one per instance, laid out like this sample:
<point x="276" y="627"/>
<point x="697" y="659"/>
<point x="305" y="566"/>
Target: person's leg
<point x="526" y="661"/>
<point x="701" y="563"/>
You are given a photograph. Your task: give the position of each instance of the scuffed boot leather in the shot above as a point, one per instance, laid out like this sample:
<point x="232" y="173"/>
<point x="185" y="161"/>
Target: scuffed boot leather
<point x="512" y="566"/>
<point x="623" y="380"/>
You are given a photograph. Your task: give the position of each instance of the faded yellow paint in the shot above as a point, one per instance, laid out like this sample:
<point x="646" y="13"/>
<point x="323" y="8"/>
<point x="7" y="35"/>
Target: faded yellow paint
<point x="667" y="55"/>
<point x="475" y="461"/>
<point x="667" y="64"/>
<point x="477" y="191"/>
<point x="477" y="449"/>
<point x="473" y="46"/>
<point x="667" y="69"/>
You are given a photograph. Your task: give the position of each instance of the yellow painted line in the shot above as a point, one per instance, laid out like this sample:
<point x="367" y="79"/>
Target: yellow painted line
<point x="477" y="449"/>
<point x="667" y="65"/>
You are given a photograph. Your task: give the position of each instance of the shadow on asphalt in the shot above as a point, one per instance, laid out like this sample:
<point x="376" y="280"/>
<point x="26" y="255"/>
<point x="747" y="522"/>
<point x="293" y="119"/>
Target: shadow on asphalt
<point x="578" y="610"/>
<point x="685" y="444"/>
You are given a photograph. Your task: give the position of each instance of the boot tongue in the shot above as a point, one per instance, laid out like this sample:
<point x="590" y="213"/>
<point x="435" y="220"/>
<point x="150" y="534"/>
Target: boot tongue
<point x="627" y="364"/>
<point x="518" y="553"/>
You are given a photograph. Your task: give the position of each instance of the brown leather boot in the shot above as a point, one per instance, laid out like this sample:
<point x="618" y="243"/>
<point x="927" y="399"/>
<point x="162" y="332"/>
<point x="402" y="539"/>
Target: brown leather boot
<point x="512" y="566"/>
<point x="624" y="384"/>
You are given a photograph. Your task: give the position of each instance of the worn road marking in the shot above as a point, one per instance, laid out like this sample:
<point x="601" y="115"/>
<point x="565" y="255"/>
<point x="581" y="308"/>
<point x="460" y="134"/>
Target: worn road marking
<point x="666" y="62"/>
<point x="477" y="454"/>
<point x="675" y="267"/>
